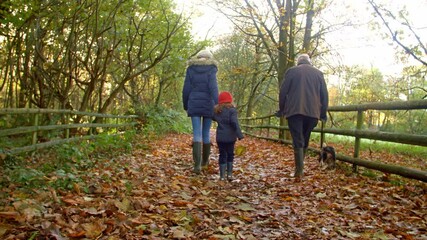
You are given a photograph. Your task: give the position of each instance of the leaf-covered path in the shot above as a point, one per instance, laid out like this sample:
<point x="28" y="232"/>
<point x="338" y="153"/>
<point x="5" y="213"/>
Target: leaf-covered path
<point x="153" y="194"/>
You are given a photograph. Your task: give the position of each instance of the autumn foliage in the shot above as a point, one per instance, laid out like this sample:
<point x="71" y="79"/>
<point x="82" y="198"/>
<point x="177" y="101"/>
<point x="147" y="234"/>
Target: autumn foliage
<point x="152" y="193"/>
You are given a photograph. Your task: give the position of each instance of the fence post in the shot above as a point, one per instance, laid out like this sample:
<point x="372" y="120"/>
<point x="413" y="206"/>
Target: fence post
<point x="67" y="130"/>
<point x="357" y="140"/>
<point x="117" y="128"/>
<point x="90" y="128"/>
<point x="282" y="132"/>
<point x="260" y="129"/>
<point x="36" y="124"/>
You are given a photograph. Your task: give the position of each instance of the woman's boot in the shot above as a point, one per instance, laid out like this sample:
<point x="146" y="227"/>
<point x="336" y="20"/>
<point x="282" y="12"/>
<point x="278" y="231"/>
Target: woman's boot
<point x="197" y="156"/>
<point x="206" y="153"/>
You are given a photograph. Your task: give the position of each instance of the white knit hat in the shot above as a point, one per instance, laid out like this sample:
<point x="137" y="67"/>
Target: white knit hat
<point x="204" y="54"/>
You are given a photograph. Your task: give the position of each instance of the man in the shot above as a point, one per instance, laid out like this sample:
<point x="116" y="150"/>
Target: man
<point x="303" y="100"/>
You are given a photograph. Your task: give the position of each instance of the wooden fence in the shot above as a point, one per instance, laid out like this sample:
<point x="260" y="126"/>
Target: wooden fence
<point x="62" y="124"/>
<point x="251" y="125"/>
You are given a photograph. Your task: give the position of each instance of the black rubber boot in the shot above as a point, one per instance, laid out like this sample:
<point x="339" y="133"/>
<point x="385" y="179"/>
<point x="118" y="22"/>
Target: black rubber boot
<point x="197" y="157"/>
<point x="222" y="169"/>
<point x="229" y="171"/>
<point x="206" y="153"/>
<point x="299" y="162"/>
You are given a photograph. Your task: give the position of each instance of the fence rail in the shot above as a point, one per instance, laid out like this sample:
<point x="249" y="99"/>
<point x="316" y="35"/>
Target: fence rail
<point x="63" y="123"/>
<point x="258" y="123"/>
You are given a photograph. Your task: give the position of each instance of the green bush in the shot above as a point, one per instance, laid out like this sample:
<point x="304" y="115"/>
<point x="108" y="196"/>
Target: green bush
<point x="25" y="176"/>
<point x="164" y="120"/>
<point x="62" y="166"/>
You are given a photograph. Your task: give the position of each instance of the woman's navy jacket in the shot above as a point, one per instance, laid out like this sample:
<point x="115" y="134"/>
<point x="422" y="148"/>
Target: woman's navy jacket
<point x="200" y="92"/>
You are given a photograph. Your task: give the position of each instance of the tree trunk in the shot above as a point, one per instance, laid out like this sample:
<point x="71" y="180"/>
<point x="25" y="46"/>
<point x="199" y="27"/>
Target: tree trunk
<point x="286" y="56"/>
<point x="306" y="46"/>
<point x="159" y="94"/>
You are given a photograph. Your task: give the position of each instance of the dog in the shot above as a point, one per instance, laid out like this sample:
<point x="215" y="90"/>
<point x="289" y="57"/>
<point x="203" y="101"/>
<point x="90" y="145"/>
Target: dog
<point x="327" y="157"/>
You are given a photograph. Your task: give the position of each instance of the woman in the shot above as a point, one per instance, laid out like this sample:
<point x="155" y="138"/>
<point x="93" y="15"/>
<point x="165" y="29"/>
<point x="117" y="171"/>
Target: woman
<point x="199" y="96"/>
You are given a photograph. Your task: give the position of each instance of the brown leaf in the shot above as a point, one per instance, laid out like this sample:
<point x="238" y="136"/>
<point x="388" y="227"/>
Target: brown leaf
<point x="179" y="203"/>
<point x="71" y="201"/>
<point x="94" y="211"/>
<point x="77" y="234"/>
<point x="123" y="205"/>
<point x="94" y="229"/>
<point x="31" y="212"/>
<point x="178" y="233"/>
<point x="9" y="215"/>
<point x="4" y="228"/>
<point x="76" y="188"/>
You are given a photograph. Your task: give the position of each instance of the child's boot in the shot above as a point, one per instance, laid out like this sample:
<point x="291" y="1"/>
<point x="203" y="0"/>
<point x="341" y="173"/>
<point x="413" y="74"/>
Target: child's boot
<point x="230" y="171"/>
<point x="222" y="169"/>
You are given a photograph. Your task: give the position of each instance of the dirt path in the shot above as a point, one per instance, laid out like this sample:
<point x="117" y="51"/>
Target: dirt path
<point x="264" y="202"/>
<point x="153" y="194"/>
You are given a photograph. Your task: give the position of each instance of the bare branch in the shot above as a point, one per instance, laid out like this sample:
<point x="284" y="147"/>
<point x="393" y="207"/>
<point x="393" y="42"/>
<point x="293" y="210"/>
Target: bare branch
<point x="393" y="34"/>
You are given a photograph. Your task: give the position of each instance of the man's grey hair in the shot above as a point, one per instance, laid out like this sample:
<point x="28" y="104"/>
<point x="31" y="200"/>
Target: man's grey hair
<point x="303" y="57"/>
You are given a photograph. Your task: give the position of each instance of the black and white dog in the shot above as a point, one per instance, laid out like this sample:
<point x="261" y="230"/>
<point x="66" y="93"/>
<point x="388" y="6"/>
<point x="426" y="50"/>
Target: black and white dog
<point x="327" y="157"/>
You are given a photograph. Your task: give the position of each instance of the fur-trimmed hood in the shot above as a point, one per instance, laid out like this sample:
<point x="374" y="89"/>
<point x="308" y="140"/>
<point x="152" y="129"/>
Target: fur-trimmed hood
<point x="202" y="62"/>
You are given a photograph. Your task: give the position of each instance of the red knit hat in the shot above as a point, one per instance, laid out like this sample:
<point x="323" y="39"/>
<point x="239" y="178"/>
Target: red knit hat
<point x="225" y="97"/>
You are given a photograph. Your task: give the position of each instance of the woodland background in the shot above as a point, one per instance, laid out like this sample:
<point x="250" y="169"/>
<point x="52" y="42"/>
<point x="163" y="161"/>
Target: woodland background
<point x="130" y="57"/>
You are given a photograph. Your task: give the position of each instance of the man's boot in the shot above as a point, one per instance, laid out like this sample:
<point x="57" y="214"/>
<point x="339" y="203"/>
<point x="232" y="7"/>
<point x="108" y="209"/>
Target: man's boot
<point x="229" y="171"/>
<point x="197" y="156"/>
<point x="222" y="169"/>
<point x="206" y="153"/>
<point x="299" y="162"/>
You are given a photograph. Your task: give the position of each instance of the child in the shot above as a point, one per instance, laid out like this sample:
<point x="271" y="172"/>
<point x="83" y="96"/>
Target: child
<point x="228" y="131"/>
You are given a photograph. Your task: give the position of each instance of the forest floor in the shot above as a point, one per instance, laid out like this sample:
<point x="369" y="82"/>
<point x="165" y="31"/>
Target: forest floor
<point x="151" y="193"/>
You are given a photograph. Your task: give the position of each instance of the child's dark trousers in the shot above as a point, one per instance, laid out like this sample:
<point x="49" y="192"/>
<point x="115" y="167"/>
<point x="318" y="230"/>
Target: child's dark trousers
<point x="226" y="152"/>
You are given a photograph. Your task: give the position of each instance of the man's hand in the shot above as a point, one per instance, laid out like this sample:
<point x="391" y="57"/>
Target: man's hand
<point x="278" y="114"/>
<point x="323" y="118"/>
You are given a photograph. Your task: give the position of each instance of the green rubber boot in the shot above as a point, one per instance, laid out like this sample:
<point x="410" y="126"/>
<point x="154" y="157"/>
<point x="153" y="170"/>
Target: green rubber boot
<point x="230" y="171"/>
<point x="222" y="169"/>
<point x="299" y="162"/>
<point x="206" y="153"/>
<point x="197" y="157"/>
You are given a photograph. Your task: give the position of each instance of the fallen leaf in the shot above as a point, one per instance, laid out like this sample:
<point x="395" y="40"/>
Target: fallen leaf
<point x="239" y="150"/>
<point x="244" y="207"/>
<point x="9" y="215"/>
<point x="123" y="205"/>
<point x="4" y="228"/>
<point x="178" y="233"/>
<point x="93" y="229"/>
<point x="320" y="195"/>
